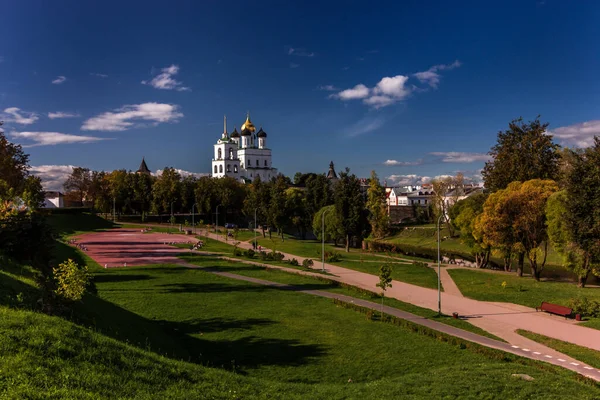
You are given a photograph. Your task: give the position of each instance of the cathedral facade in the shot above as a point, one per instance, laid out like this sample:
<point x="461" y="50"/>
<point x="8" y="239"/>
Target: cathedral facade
<point x="243" y="155"/>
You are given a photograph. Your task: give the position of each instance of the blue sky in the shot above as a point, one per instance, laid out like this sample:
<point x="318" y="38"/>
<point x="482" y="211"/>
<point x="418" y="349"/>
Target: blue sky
<point x="412" y="89"/>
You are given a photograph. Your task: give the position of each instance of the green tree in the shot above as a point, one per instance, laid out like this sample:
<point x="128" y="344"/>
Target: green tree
<point x="385" y="282"/>
<point x="278" y="216"/>
<point x="319" y="194"/>
<point x="523" y="152"/>
<point x="350" y="206"/>
<point x="295" y="205"/>
<point x="519" y="211"/>
<point x="378" y="215"/>
<point x="334" y="230"/>
<point x="206" y="195"/>
<point x="573" y="216"/>
<point x="14" y="166"/>
<point x="142" y="192"/>
<point x="78" y="182"/>
<point x="166" y="190"/>
<point x="464" y="215"/>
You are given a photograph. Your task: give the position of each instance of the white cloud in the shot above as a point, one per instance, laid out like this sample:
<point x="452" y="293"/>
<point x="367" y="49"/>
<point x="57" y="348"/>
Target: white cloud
<point x="460" y="157"/>
<point x="1" y="59"/>
<point x="388" y="90"/>
<point x="98" y="75"/>
<point x="579" y="135"/>
<point x="18" y="116"/>
<point x="165" y="80"/>
<point x="184" y="173"/>
<point x="431" y="76"/>
<point x="53" y="176"/>
<point x="61" y="114"/>
<point x="327" y="88"/>
<point x="52" y="138"/>
<point x="405" y="180"/>
<point x="359" y="91"/>
<point x="125" y="118"/>
<point x="59" y="79"/>
<point x="395" y="163"/>
<point x="294" y="65"/>
<point x="300" y="52"/>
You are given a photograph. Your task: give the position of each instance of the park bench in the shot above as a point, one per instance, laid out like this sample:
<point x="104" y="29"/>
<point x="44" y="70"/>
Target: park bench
<point x="555" y="309"/>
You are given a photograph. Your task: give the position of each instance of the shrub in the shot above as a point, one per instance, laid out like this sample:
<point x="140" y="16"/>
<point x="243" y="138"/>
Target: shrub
<point x="332" y="256"/>
<point x="237" y="252"/>
<point x="584" y="306"/>
<point x="294" y="262"/>
<point x="249" y="253"/>
<point x="264" y="256"/>
<point x="277" y="256"/>
<point x="307" y="263"/>
<point x="71" y="280"/>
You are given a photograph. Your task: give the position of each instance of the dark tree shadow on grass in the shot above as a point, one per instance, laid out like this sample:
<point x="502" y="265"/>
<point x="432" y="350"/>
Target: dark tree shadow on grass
<point x="101" y="278"/>
<point x="173" y="339"/>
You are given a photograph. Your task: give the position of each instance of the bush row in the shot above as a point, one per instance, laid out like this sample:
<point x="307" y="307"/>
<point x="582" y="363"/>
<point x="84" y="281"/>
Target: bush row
<point x="415" y="251"/>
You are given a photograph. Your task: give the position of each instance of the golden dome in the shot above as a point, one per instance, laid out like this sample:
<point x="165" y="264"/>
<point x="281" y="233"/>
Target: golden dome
<point x="248" y="125"/>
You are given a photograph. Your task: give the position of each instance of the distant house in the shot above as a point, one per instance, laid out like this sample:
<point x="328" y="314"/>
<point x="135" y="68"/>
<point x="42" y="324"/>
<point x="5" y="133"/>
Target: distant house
<point x="53" y="200"/>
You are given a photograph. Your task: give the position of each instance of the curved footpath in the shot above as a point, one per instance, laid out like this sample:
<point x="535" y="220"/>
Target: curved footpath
<point x="500" y="319"/>
<point x="565" y="362"/>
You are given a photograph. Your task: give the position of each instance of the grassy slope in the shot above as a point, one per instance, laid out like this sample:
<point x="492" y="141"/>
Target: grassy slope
<point x="591" y="357"/>
<point x="283" y="342"/>
<point x="526" y="291"/>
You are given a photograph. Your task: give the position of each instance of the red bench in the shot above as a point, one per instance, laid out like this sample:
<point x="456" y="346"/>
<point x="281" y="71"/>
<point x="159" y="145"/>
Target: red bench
<point x="555" y="309"/>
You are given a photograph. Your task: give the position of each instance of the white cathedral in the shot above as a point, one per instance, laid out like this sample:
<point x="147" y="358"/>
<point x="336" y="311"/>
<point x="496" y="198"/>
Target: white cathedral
<point x="243" y="155"/>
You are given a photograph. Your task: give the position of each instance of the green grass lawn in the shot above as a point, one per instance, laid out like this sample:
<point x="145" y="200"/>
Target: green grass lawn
<point x="331" y="286"/>
<point x="426" y="236"/>
<point x="487" y="286"/>
<point x="363" y="262"/>
<point x="589" y="356"/>
<point x="284" y="336"/>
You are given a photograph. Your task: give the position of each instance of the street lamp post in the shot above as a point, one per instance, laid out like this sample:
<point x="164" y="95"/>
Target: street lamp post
<point x="439" y="269"/>
<point x="255" y="227"/>
<point x="114" y="209"/>
<point x="217" y="224"/>
<point x="172" y="216"/>
<point x="323" y="239"/>
<point x="193" y="223"/>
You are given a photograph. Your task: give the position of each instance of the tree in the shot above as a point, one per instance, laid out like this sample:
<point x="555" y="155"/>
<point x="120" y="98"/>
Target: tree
<point x="334" y="230"/>
<point x="349" y="206"/>
<point x="514" y="219"/>
<point x="278" y="215"/>
<point x="166" y="190"/>
<point x="573" y="217"/>
<point x="318" y="194"/>
<point x="206" y="195"/>
<point x="295" y="204"/>
<point x="523" y="152"/>
<point x="78" y="183"/>
<point x="385" y="281"/>
<point x="142" y="192"/>
<point x="465" y="213"/>
<point x="14" y="165"/>
<point x="378" y="216"/>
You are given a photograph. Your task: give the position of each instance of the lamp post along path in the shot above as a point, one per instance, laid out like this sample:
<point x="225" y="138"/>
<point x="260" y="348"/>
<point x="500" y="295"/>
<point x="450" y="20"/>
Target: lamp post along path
<point x="323" y="239"/>
<point x="439" y="269"/>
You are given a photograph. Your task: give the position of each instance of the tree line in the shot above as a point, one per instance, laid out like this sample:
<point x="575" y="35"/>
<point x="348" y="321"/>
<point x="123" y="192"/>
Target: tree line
<point x="537" y="195"/>
<point x="278" y="205"/>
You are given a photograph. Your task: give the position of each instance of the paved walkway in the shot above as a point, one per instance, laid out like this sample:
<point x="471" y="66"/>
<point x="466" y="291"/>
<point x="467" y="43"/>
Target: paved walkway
<point x="500" y="319"/>
<point x="558" y="359"/>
